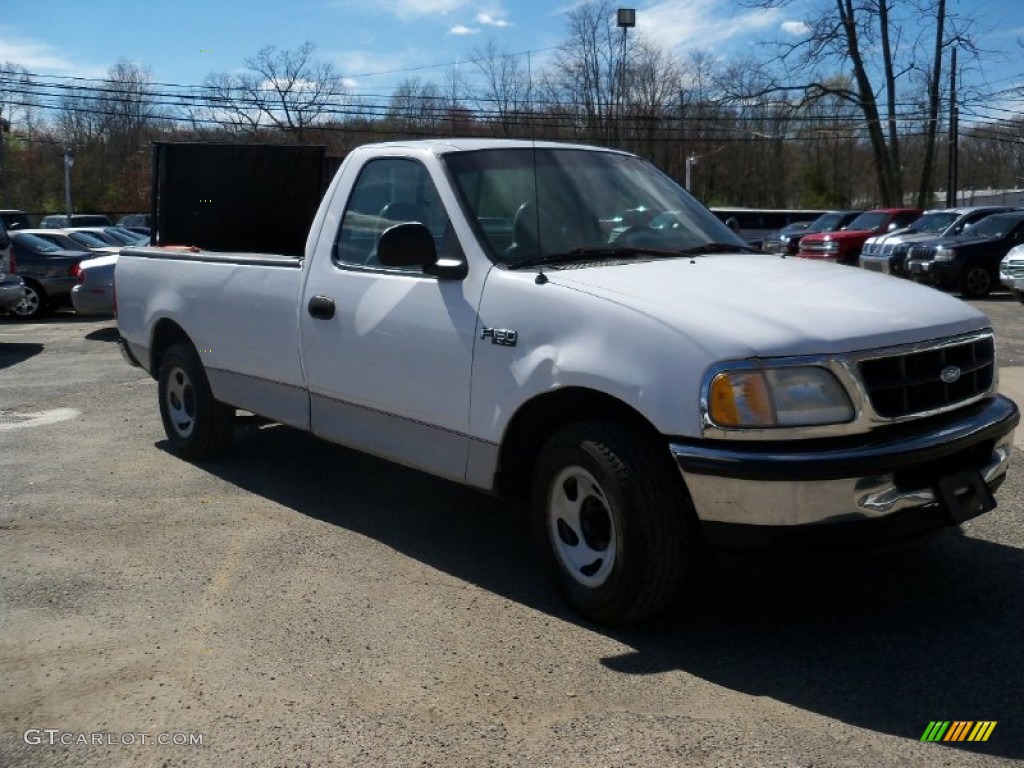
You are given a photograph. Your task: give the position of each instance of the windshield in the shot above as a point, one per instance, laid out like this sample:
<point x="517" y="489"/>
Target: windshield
<point x="869" y="220"/>
<point x="88" y="239"/>
<point x="933" y="222"/>
<point x="35" y="243"/>
<point x="995" y="226"/>
<point x="828" y="222"/>
<point x="529" y="204"/>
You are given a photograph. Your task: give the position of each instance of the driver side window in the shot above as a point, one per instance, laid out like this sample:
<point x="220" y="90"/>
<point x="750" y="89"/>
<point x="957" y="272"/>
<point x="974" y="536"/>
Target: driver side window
<point x="390" y="191"/>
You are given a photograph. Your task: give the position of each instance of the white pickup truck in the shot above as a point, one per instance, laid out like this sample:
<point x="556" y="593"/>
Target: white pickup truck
<point x="566" y="324"/>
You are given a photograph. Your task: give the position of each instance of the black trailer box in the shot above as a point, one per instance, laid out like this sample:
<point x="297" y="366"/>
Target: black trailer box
<point x="258" y="198"/>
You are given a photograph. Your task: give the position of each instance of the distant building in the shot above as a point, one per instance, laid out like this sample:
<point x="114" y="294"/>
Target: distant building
<point x="1011" y="197"/>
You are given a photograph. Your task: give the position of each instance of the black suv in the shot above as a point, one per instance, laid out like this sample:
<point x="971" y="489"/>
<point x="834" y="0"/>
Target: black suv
<point x="969" y="263"/>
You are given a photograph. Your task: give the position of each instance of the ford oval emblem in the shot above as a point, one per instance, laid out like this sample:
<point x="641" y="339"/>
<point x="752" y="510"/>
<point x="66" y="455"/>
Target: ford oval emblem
<point x="950" y="374"/>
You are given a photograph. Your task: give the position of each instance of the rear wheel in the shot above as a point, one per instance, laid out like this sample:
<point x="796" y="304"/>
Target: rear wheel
<point x="612" y="521"/>
<point x="33" y="305"/>
<point x="977" y="281"/>
<point x="197" y="425"/>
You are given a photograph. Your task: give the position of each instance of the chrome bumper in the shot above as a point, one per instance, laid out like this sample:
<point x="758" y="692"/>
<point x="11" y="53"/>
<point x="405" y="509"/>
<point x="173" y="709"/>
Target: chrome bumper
<point x="780" y="484"/>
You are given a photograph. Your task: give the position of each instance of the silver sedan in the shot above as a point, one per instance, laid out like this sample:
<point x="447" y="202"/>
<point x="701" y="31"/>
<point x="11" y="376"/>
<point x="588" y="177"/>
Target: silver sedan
<point x="94" y="294"/>
<point x="12" y="291"/>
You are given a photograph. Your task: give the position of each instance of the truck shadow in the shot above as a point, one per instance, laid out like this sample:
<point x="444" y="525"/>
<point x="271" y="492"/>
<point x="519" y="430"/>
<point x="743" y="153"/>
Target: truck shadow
<point x="933" y="632"/>
<point x="12" y="353"/>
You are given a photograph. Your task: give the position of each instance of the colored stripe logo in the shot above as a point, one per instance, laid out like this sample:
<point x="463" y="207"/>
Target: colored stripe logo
<point x="959" y="730"/>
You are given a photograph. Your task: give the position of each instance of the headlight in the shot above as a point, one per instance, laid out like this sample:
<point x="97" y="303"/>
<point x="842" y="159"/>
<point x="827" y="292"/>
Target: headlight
<point x="944" y="254"/>
<point x="831" y="246"/>
<point x="778" y="397"/>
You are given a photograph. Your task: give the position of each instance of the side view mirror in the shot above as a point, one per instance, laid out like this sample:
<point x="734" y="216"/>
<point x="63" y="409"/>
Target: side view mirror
<point x="412" y="245"/>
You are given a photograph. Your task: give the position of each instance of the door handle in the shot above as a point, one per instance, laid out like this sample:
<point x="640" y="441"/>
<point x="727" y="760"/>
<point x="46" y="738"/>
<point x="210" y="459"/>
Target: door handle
<point x="321" y="307"/>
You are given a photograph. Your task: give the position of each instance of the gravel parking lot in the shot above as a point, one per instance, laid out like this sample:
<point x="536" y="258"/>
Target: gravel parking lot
<point x="299" y="604"/>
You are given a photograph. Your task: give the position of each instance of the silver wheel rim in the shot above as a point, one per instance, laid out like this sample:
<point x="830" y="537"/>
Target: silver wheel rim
<point x="977" y="281"/>
<point x="29" y="305"/>
<point x="181" y="402"/>
<point x="581" y="526"/>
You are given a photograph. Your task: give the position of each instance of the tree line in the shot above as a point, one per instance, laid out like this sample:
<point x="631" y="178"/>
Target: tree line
<point x="852" y="111"/>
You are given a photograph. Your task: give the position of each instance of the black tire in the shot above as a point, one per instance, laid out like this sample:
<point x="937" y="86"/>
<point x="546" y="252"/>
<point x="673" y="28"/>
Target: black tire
<point x="976" y="282"/>
<point x="198" y="426"/>
<point x="618" y="547"/>
<point x="35" y="304"/>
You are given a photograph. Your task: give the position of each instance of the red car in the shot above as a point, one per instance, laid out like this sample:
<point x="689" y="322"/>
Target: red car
<point x="845" y="245"/>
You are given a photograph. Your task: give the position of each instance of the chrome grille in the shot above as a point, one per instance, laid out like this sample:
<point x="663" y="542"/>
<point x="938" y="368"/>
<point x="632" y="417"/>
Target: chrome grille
<point x="1014" y="268"/>
<point x="913" y="383"/>
<point x="815" y="246"/>
<point x="921" y="253"/>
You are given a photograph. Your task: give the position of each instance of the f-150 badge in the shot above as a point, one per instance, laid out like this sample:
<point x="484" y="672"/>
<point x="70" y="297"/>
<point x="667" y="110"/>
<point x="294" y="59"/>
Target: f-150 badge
<point x="500" y="336"/>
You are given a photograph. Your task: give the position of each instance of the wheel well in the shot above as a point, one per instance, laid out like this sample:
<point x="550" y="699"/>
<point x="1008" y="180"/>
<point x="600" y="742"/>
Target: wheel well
<point x="166" y="333"/>
<point x="540" y="418"/>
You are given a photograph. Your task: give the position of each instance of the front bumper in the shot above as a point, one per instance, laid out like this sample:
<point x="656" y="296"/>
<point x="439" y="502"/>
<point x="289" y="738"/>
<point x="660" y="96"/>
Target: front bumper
<point x="902" y="479"/>
<point x="12" y="291"/>
<point x="1013" y="283"/>
<point x="939" y="273"/>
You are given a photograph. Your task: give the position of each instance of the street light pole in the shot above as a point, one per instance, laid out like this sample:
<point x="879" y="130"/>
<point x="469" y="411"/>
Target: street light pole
<point x="626" y="19"/>
<point x="69" y="162"/>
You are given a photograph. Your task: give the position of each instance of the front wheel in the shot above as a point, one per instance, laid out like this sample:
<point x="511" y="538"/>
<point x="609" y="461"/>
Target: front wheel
<point x="977" y="281"/>
<point x="612" y="521"/>
<point x="198" y="425"/>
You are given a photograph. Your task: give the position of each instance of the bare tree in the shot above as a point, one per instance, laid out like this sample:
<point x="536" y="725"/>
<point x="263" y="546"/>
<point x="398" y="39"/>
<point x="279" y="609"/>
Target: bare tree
<point x="882" y="44"/>
<point x="587" y="70"/>
<point x="290" y="88"/>
<point x="504" y="97"/>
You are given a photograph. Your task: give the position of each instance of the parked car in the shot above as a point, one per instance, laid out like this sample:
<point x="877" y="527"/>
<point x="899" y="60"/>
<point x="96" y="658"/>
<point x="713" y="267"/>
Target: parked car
<point x="60" y="221"/>
<point x="888" y="252"/>
<point x="94" y="294"/>
<point x="787" y="240"/>
<point x="845" y="245"/>
<point x="1011" y="271"/>
<point x="14" y="219"/>
<point x="969" y="264"/>
<point x="12" y="288"/>
<point x="113" y="235"/>
<point x="73" y="240"/>
<point x="49" y="273"/>
<point x="137" y="222"/>
<point x="5" y="249"/>
<point x="12" y="291"/>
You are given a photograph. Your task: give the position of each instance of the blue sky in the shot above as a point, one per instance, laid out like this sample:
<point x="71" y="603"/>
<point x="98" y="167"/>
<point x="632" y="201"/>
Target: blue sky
<point x="376" y="43"/>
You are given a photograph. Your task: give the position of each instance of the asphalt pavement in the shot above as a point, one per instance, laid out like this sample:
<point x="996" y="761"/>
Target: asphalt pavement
<point x="300" y="604"/>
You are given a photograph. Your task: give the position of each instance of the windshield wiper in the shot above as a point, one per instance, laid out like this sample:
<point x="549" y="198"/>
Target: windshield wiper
<point x="708" y="248"/>
<point x="595" y="253"/>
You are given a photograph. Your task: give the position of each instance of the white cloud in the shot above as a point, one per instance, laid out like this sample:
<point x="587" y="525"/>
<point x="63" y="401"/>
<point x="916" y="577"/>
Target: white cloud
<point x="459" y="29"/>
<point x="41" y="57"/>
<point x="795" y="28"/>
<point x="410" y="8"/>
<point x="491" y="21"/>
<point x="701" y="23"/>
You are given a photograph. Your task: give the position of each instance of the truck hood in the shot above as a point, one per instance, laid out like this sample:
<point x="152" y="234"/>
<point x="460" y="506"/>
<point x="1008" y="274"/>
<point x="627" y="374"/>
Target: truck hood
<point x="959" y="242"/>
<point x="759" y="306"/>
